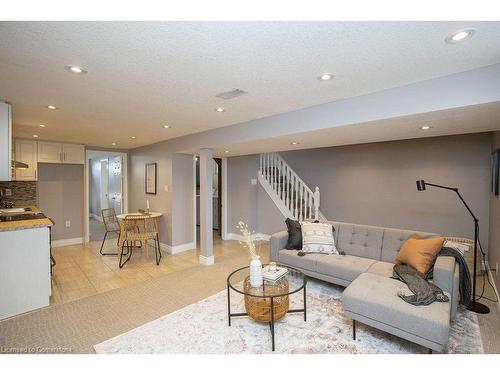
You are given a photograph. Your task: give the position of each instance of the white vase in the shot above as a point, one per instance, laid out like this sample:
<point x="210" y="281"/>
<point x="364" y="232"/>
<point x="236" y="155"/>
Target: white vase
<point x="256" y="272"/>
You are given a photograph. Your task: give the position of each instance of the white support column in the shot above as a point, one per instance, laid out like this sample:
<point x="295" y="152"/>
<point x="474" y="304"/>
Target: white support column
<point x="206" y="210"/>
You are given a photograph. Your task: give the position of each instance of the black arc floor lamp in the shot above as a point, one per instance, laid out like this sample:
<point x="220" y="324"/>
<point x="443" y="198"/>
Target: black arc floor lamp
<point x="474" y="305"/>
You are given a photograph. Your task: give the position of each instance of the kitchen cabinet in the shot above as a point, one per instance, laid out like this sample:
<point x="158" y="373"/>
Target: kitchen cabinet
<point x="73" y="154"/>
<point x="26" y="152"/>
<point x="49" y="152"/>
<point x="65" y="153"/>
<point x="25" y="283"/>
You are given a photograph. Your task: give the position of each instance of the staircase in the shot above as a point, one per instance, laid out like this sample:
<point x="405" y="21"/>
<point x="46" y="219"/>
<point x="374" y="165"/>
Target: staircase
<point x="287" y="190"/>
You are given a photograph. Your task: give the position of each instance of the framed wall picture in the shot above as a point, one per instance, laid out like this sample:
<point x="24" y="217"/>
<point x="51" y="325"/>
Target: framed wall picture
<point x="150" y="178"/>
<point x="495" y="165"/>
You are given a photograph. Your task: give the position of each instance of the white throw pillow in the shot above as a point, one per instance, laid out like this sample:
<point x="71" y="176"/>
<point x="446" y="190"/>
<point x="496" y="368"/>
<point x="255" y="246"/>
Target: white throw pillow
<point x="317" y="238"/>
<point x="460" y="247"/>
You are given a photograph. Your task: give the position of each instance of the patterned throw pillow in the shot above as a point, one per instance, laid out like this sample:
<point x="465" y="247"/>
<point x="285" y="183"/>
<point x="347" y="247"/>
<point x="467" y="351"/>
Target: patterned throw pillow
<point x="318" y="238"/>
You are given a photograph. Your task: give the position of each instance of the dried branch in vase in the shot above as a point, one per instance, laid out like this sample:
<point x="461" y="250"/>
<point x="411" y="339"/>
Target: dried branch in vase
<point x="248" y="242"/>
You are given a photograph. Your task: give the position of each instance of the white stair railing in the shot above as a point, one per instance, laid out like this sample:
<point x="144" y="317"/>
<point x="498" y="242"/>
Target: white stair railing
<point x="290" y="194"/>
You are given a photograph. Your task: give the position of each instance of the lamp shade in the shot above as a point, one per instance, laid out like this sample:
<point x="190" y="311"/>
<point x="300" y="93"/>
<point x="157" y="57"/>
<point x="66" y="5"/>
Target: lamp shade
<point x="420" y="185"/>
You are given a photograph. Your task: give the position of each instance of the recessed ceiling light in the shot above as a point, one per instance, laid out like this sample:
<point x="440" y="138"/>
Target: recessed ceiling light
<point x="295" y="143"/>
<point x="42" y="125"/>
<point x="325" y="77"/>
<point x="113" y="144"/>
<point x="35" y="136"/>
<point x="133" y="137"/>
<point x="166" y="126"/>
<point x="50" y="106"/>
<point x="460" y="36"/>
<point x="226" y="151"/>
<point x="75" y="69"/>
<point x="220" y="109"/>
<point x="425" y="127"/>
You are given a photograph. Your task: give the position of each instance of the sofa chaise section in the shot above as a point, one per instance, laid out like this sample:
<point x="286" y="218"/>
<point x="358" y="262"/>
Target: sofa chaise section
<point x="372" y="299"/>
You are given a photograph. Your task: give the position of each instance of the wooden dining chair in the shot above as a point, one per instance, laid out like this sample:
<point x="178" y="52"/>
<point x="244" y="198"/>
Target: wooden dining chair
<point x="148" y="230"/>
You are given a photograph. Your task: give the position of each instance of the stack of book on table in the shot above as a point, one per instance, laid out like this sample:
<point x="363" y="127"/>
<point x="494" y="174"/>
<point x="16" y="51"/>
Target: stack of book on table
<point x="273" y="275"/>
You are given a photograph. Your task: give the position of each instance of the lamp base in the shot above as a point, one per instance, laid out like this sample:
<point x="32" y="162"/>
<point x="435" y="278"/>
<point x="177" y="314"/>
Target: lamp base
<point x="478" y="308"/>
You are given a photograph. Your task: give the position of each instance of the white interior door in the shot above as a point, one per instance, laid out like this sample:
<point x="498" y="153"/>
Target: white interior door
<point x="104" y="184"/>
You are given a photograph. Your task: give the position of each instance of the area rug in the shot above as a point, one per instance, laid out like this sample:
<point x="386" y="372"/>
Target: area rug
<point x="203" y="328"/>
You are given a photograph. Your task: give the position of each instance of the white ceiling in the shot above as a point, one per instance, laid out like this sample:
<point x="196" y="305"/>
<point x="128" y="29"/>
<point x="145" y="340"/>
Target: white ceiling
<point x="142" y="75"/>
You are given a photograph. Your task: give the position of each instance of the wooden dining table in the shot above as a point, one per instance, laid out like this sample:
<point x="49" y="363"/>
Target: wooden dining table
<point x="152" y="214"/>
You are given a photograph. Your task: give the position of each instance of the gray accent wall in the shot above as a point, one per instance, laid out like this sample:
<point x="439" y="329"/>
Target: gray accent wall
<point x="249" y="203"/>
<point x="161" y="202"/>
<point x="494" y="238"/>
<point x="374" y="184"/>
<point x="60" y="197"/>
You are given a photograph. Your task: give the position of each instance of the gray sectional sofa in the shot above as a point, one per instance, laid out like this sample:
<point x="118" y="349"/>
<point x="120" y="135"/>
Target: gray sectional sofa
<point x="371" y="293"/>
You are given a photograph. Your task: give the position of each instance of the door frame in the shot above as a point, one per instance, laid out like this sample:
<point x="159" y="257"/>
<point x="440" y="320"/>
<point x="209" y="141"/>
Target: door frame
<point x="218" y="162"/>
<point x="102" y="184"/>
<point x="89" y="154"/>
<point x="222" y="198"/>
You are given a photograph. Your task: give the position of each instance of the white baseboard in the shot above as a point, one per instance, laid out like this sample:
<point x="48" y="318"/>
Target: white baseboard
<point x="255" y="236"/>
<point x="493" y="282"/>
<point x="177" y="248"/>
<point x="207" y="261"/>
<point x="67" y="242"/>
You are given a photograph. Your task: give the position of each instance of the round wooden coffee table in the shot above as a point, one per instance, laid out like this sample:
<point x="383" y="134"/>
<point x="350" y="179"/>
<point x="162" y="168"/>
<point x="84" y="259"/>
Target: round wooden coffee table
<point x="269" y="302"/>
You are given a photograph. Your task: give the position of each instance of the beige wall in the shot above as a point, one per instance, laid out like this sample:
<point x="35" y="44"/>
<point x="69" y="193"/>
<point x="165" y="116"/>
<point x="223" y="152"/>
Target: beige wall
<point x="494" y="247"/>
<point x="60" y="197"/>
<point x="375" y="184"/>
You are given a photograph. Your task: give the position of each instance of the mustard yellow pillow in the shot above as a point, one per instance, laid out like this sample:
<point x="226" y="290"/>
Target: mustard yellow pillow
<point x="420" y="253"/>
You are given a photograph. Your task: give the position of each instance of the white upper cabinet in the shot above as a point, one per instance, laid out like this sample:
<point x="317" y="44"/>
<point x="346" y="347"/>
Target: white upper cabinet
<point x="26" y="152"/>
<point x="73" y="154"/>
<point x="66" y="153"/>
<point x="49" y="152"/>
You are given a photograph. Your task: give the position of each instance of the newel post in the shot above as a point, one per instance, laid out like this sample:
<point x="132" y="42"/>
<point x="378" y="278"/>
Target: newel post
<point x="316" y="203"/>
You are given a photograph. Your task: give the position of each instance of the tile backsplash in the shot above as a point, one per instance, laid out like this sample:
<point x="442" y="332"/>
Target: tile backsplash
<point x="23" y="192"/>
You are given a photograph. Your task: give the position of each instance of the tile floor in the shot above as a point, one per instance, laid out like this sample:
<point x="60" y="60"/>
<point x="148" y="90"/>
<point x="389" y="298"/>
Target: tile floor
<point x="81" y="271"/>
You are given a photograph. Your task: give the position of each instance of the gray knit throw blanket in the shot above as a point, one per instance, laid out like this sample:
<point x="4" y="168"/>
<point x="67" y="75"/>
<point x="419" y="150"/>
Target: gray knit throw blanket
<point x="424" y="292"/>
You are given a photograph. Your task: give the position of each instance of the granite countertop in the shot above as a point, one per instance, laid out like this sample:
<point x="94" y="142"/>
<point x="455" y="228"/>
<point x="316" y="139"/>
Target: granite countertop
<point x="25" y="224"/>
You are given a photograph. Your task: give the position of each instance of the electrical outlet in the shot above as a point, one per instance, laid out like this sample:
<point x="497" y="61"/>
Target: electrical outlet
<point x="8" y="192"/>
<point x="68" y="223"/>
